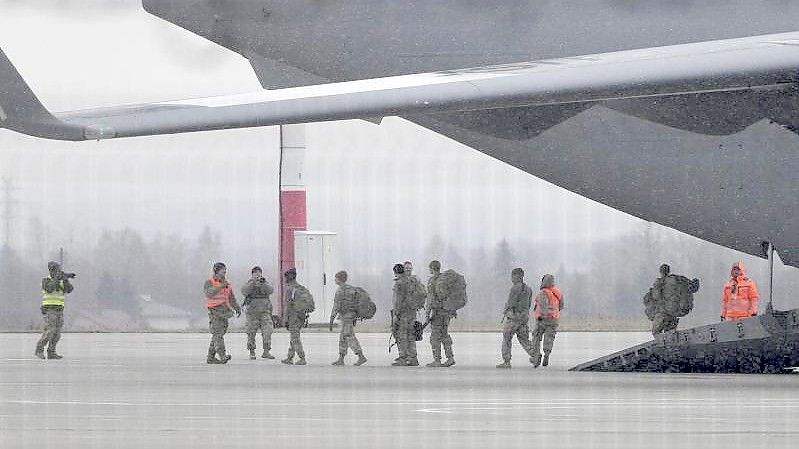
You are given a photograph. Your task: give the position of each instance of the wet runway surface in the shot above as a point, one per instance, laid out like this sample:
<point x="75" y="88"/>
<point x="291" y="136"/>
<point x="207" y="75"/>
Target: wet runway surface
<point x="155" y="390"/>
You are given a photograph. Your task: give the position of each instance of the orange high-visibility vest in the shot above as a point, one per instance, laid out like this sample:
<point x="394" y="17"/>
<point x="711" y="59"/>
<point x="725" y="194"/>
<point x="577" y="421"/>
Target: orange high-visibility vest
<point x="742" y="303"/>
<point x="221" y="298"/>
<point x="552" y="308"/>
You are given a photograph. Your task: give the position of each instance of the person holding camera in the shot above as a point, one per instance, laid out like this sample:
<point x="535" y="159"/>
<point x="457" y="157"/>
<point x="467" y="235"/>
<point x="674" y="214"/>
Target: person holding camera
<point x="258" y="310"/>
<point x="55" y="287"/>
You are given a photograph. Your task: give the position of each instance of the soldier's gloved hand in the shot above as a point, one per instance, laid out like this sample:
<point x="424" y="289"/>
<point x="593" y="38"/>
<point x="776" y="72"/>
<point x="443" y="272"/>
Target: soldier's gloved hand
<point x="540" y="319"/>
<point x="722" y="319"/>
<point x="754" y="314"/>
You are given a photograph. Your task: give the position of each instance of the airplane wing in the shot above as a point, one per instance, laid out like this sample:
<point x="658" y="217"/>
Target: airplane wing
<point x="762" y="64"/>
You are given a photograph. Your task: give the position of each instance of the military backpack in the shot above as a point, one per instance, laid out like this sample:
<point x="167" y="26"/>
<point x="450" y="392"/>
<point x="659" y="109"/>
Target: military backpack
<point x="452" y="287"/>
<point x="365" y="307"/>
<point x="418" y="294"/>
<point x="303" y="301"/>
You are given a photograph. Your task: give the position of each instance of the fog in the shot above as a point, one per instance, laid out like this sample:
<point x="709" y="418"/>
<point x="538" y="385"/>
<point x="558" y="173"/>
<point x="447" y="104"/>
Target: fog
<point x="147" y="217"/>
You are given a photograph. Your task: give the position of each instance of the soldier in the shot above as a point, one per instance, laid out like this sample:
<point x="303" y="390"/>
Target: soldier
<point x="739" y="297"/>
<point x="439" y="319"/>
<point x="515" y="317"/>
<point x="55" y="287"/>
<point x="345" y="307"/>
<point x="670" y="297"/>
<point x="295" y="318"/>
<point x="404" y="314"/>
<point x="220" y="302"/>
<point x="548" y="305"/>
<point x="259" y="312"/>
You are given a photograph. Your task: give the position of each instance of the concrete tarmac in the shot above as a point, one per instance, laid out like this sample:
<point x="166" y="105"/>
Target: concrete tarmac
<point x="156" y="391"/>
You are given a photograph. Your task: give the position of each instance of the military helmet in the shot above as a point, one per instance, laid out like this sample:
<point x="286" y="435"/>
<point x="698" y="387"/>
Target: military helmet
<point x="218" y="266"/>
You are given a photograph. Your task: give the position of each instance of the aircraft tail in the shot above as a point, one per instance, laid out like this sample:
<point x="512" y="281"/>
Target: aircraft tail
<point x="21" y="111"/>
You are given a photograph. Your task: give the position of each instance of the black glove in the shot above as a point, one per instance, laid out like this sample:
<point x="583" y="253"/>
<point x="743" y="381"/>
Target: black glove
<point x="722" y="319"/>
<point x="540" y="319"/>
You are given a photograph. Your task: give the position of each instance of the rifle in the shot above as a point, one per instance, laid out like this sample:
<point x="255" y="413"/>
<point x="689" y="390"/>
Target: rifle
<point x="394" y="333"/>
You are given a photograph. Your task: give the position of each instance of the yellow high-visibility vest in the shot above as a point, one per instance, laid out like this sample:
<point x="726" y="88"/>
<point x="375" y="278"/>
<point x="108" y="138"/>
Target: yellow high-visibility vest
<point x="55" y="298"/>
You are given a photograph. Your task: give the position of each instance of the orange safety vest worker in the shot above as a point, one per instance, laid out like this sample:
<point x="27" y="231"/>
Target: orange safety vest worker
<point x="552" y="307"/>
<point x="739" y="297"/>
<point x="221" y="298"/>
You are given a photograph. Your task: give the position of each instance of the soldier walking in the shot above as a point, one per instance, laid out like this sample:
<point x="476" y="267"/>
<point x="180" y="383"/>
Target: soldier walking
<point x="670" y="298"/>
<point x="55" y="287"/>
<point x="220" y="302"/>
<point x="258" y="309"/>
<point x="345" y="307"/>
<point x="548" y="305"/>
<point x="515" y="317"/>
<point x="296" y="317"/>
<point x="404" y="314"/>
<point x="439" y="319"/>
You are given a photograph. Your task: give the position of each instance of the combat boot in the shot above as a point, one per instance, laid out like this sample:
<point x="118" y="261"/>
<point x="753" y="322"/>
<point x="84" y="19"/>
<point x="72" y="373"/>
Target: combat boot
<point x="505" y="364"/>
<point x="39" y="353"/>
<point x="450" y="361"/>
<point x="436" y="363"/>
<point x="413" y="361"/>
<point x="287" y="361"/>
<point x="53" y="356"/>
<point x="340" y="361"/>
<point x="536" y="360"/>
<point x="212" y="360"/>
<point x="361" y="359"/>
<point x="267" y="355"/>
<point x="301" y="361"/>
<point x="546" y="359"/>
<point x="225" y="359"/>
<point x="252" y="354"/>
<point x="400" y="361"/>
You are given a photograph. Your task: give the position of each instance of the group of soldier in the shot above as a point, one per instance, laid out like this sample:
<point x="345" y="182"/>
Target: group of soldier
<point x="670" y="298"/>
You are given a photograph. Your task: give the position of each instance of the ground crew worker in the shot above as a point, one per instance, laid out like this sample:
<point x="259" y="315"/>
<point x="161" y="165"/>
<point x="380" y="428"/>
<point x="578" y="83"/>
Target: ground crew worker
<point x="220" y="302"/>
<point x="295" y="319"/>
<point x="439" y="319"/>
<point x="739" y="297"/>
<point x="345" y="307"/>
<point x="258" y="309"/>
<point x="404" y="315"/>
<point x="548" y="305"/>
<point x="516" y="317"/>
<point x="55" y="287"/>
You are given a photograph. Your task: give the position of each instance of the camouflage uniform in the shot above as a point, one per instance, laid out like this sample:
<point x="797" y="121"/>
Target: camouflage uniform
<point x="439" y="323"/>
<point x="296" y="321"/>
<point x="546" y="328"/>
<point x="666" y="301"/>
<point x="405" y="315"/>
<point x="547" y="317"/>
<point x="53" y="317"/>
<point x="218" y="317"/>
<point x="347" y="317"/>
<point x="258" y="309"/>
<point x="517" y="316"/>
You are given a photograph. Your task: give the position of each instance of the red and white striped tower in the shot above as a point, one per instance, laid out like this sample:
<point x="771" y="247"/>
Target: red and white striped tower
<point x="292" y="201"/>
